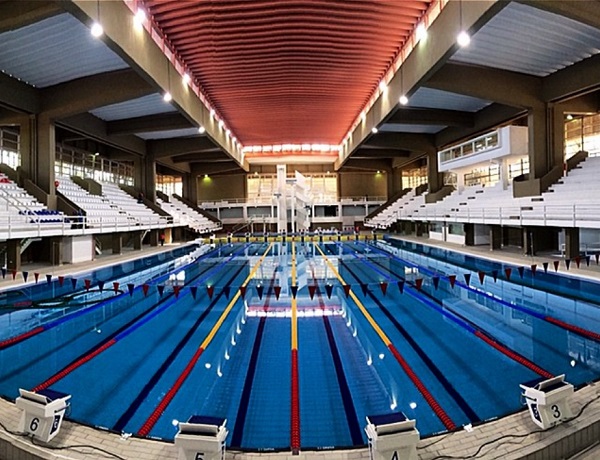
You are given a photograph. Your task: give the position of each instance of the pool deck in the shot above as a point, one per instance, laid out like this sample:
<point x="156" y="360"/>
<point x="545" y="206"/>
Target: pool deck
<point x="513" y="437"/>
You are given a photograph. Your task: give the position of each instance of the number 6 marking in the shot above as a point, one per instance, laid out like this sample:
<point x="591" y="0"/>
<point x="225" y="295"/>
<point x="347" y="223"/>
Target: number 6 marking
<point x="35" y="423"/>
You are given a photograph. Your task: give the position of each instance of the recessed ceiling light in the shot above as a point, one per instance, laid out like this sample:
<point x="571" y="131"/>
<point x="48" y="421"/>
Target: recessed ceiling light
<point x="186" y="78"/>
<point x="201" y="129"/>
<point x="140" y="16"/>
<point x="374" y="130"/>
<point x="421" y="32"/>
<point x="96" y="30"/>
<point x="167" y="97"/>
<point x="403" y="100"/>
<point x="463" y="39"/>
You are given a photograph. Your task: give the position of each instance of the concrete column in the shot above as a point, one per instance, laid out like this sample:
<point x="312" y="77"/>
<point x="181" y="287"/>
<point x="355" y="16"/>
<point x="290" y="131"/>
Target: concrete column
<point x="571" y="242"/>
<point x="496" y="237"/>
<point x="503" y="169"/>
<point x="56" y="250"/>
<point x="28" y="145"/>
<point x="558" y="135"/>
<point x="190" y="187"/>
<point x="117" y="243"/>
<point x="144" y="171"/>
<point x="537" y="124"/>
<point x="46" y="155"/>
<point x="153" y="237"/>
<point x="420" y="228"/>
<point x="13" y="255"/>
<point x="137" y="240"/>
<point x="469" y="234"/>
<point x="435" y="179"/>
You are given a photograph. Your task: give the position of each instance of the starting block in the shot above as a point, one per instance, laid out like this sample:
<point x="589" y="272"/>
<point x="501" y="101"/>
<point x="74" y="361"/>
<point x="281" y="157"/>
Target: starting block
<point x="43" y="412"/>
<point x="548" y="400"/>
<point x="392" y="437"/>
<point x="201" y="438"/>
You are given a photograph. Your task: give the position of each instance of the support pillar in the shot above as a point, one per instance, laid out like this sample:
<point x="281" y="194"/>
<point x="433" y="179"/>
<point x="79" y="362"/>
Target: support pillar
<point x="435" y="179"/>
<point x="496" y="237"/>
<point x="117" y="243"/>
<point x="190" y="187"/>
<point x="27" y="145"/>
<point x="137" y="240"/>
<point x="56" y="250"/>
<point x="46" y="155"/>
<point x="13" y="255"/>
<point x="571" y="242"/>
<point x="469" y="230"/>
<point x="145" y="176"/>
<point x="153" y="237"/>
<point x="537" y="124"/>
<point x="420" y="228"/>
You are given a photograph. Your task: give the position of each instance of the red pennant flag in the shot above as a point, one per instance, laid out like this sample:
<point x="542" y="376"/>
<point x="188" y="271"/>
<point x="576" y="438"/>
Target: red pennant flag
<point x="545" y="265"/>
<point x="521" y="270"/>
<point x="556" y="262"/>
<point x="577" y="261"/>
<point x="61" y="280"/>
<point x="116" y="286"/>
<point x="467" y="278"/>
<point x="328" y="290"/>
<point x="26" y="275"/>
<point x="568" y="263"/>
<point x="161" y="289"/>
<point x="243" y="291"/>
<point x="277" y="290"/>
<point x="436" y="281"/>
<point x="211" y="291"/>
<point x="259" y="290"/>
<point x="37" y="277"/>
<point x="101" y="285"/>
<point x="73" y="283"/>
<point x="311" y="290"/>
<point x="419" y="283"/>
<point x="495" y="275"/>
<point x="145" y="288"/>
<point x="14" y="274"/>
<point x="130" y="288"/>
<point x="533" y="269"/>
<point x="383" y="285"/>
<point x="294" y="290"/>
<point x="401" y="286"/>
<point x="481" y="276"/>
<point x="452" y="279"/>
<point x="364" y="288"/>
<point x="48" y="278"/>
<point x="346" y="289"/>
<point x="88" y="284"/>
<point x="194" y="291"/>
<point x="507" y="272"/>
<point x="176" y="289"/>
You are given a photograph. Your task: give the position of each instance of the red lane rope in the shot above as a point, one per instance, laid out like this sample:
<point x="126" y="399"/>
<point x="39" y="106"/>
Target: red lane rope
<point x="511" y="354"/>
<point x="573" y="328"/>
<point x="70" y="368"/>
<point x="295" y="427"/>
<point x="441" y="413"/>
<point x="21" y="337"/>
<point x="149" y="424"/>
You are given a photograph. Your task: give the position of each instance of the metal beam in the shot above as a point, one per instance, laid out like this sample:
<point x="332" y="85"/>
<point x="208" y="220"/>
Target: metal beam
<point x="162" y="148"/>
<point x="380" y="153"/>
<point x="419" y="116"/>
<point x="20" y="13"/>
<point x="502" y="86"/>
<point x="84" y="94"/>
<point x="150" y="123"/>
<point x="367" y="165"/>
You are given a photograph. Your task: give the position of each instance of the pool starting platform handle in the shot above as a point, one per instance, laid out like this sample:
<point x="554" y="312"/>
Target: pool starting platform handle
<point x="548" y="400"/>
<point x="43" y="412"/>
<point x="392" y="437"/>
<point x="201" y="438"/>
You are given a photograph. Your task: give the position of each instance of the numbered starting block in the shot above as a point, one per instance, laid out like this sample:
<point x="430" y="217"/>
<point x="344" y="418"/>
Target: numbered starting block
<point x="201" y="438"/>
<point x="548" y="400"/>
<point x="43" y="412"/>
<point x="392" y="437"/>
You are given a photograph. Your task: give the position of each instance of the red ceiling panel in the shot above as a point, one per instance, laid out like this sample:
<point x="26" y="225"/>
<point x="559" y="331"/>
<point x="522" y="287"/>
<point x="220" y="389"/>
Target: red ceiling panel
<point x="287" y="71"/>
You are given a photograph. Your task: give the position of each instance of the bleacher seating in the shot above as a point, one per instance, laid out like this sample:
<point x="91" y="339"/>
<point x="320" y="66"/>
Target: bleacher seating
<point x="184" y="215"/>
<point x="133" y="207"/>
<point x="19" y="209"/>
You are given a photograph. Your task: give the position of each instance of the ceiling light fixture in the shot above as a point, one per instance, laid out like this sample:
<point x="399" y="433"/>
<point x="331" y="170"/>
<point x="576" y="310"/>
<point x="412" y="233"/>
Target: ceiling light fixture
<point x="140" y="17"/>
<point x="403" y="99"/>
<point x="382" y="86"/>
<point x="97" y="30"/>
<point x="421" y="32"/>
<point x="201" y="129"/>
<point x="186" y="78"/>
<point x="463" y="38"/>
<point x="167" y="96"/>
<point x="374" y="130"/>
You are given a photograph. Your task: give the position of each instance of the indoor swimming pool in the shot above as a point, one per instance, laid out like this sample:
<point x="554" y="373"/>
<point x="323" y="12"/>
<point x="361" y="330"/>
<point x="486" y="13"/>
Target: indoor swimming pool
<point x="296" y="343"/>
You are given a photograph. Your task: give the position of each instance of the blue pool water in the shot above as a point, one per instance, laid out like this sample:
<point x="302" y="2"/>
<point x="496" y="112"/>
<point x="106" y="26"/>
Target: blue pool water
<point x="446" y="356"/>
